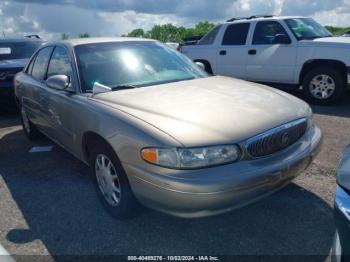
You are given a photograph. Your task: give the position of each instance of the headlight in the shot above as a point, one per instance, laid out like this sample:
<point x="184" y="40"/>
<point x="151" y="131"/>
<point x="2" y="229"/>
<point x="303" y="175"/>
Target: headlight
<point x="191" y="158"/>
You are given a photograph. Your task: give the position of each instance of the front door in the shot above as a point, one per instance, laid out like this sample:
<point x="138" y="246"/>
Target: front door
<point x="58" y="105"/>
<point x="269" y="58"/>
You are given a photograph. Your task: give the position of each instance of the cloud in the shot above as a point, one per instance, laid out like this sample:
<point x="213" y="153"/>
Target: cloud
<point x="115" y="17"/>
<point x="196" y="8"/>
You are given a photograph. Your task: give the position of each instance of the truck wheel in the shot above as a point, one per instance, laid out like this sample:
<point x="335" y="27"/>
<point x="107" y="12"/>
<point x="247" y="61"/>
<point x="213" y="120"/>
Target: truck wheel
<point x="207" y="66"/>
<point x="324" y="85"/>
<point x="29" y="128"/>
<point x="111" y="183"/>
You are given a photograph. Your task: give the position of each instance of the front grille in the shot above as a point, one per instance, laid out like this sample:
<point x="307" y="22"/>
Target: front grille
<point x="276" y="139"/>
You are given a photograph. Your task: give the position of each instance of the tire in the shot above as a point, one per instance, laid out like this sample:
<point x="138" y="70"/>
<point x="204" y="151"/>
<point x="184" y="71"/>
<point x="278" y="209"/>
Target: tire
<point x="127" y="206"/>
<point x="324" y="86"/>
<point x="207" y="66"/>
<point x="29" y="129"/>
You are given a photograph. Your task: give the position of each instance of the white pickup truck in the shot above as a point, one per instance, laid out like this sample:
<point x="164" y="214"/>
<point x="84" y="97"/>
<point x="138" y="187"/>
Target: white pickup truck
<point x="283" y="50"/>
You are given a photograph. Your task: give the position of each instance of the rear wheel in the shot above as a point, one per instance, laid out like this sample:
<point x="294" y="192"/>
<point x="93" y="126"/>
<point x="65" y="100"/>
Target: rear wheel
<point x="207" y="66"/>
<point x="112" y="185"/>
<point x="324" y="85"/>
<point x="29" y="128"/>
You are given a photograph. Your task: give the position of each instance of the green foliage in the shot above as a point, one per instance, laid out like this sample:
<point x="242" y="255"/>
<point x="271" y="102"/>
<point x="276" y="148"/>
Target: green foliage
<point x="139" y="32"/>
<point x="64" y="36"/>
<point x="84" y="35"/>
<point x="337" y="30"/>
<point x="172" y="33"/>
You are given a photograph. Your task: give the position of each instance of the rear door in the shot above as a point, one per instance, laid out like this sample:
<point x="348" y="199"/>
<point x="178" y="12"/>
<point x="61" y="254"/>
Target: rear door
<point x="232" y="51"/>
<point x="268" y="60"/>
<point x="32" y="99"/>
<point x="205" y="49"/>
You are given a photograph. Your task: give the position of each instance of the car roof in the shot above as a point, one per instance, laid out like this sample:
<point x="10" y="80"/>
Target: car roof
<point x="260" y="18"/>
<point x="94" y="40"/>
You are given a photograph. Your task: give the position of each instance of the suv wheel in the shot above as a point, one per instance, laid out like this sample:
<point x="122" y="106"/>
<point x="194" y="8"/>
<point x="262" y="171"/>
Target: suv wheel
<point x="29" y="128"/>
<point x="112" y="185"/>
<point x="324" y="85"/>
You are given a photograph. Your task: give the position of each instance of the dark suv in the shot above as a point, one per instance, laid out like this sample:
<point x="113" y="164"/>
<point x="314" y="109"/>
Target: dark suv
<point x="14" y="55"/>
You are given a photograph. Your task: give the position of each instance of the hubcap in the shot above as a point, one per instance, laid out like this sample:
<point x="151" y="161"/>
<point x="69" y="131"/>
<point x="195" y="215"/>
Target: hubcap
<point x="108" y="180"/>
<point x="322" y="86"/>
<point x="25" y="120"/>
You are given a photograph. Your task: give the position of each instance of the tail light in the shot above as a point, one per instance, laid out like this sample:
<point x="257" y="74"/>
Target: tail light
<point x="179" y="47"/>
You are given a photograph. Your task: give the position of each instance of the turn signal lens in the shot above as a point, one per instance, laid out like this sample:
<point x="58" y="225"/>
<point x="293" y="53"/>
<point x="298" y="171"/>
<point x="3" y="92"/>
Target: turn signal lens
<point x="150" y="155"/>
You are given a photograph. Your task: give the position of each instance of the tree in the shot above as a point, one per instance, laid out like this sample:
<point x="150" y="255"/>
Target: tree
<point x="84" y="35"/>
<point x="203" y="28"/>
<point x="139" y="32"/>
<point x="64" y="36"/>
<point x="165" y="33"/>
<point x="172" y="33"/>
<point x="337" y="30"/>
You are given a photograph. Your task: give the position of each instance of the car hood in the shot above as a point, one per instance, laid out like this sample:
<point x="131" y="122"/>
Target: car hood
<point x="208" y="111"/>
<point x="329" y="41"/>
<point x="15" y="63"/>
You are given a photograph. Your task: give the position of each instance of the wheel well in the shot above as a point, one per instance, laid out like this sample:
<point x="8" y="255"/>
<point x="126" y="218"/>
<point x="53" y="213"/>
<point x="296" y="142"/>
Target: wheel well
<point x="312" y="64"/>
<point x="207" y="65"/>
<point x="90" y="139"/>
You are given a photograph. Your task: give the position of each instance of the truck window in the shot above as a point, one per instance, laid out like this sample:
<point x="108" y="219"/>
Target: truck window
<point x="236" y="34"/>
<point x="209" y="38"/>
<point x="266" y="31"/>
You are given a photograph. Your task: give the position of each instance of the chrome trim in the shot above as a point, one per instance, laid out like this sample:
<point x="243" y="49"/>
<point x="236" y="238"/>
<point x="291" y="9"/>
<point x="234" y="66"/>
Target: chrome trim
<point x="268" y="133"/>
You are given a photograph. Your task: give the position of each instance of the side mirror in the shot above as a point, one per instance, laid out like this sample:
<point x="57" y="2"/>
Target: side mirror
<point x="200" y="65"/>
<point x="281" y="39"/>
<point x="59" y="82"/>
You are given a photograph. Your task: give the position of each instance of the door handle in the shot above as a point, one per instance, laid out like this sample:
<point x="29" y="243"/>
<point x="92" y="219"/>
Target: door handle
<point x="252" y="52"/>
<point x="223" y="52"/>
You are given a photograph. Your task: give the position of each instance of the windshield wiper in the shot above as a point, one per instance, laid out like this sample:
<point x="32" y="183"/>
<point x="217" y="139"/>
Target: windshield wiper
<point x="122" y="87"/>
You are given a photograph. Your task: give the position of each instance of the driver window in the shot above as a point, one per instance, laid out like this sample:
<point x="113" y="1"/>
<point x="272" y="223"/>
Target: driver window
<point x="266" y="31"/>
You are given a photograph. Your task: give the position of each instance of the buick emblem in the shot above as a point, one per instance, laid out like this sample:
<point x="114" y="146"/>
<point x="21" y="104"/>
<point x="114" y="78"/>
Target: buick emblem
<point x="3" y="75"/>
<point x="285" y="139"/>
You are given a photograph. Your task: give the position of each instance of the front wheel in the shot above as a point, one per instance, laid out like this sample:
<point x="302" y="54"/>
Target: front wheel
<point x="112" y="185"/>
<point x="324" y="85"/>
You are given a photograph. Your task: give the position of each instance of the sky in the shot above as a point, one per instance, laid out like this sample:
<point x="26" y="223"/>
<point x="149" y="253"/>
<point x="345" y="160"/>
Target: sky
<point x="50" y="18"/>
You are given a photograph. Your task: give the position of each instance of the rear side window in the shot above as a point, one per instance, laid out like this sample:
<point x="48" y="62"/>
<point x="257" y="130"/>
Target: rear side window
<point x="236" y="34"/>
<point x="59" y="63"/>
<point x="41" y="62"/>
<point x="30" y="66"/>
<point x="209" y="38"/>
<point x="266" y="31"/>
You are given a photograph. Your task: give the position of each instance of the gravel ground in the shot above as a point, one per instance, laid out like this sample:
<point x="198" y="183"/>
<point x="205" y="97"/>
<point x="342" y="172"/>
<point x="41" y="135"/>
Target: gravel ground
<point x="48" y="207"/>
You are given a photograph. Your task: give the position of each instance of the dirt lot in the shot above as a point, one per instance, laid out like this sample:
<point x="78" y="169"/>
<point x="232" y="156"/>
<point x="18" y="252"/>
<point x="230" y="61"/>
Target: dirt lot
<point x="48" y="206"/>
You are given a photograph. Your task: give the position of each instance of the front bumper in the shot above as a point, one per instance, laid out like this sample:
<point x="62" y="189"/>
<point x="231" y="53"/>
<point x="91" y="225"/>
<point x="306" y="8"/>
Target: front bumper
<point x="199" y="193"/>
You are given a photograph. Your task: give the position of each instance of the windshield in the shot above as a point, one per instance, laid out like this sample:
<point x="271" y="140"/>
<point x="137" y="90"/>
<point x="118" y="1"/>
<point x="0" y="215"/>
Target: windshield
<point x="307" y="28"/>
<point x="133" y="64"/>
<point x="18" y="50"/>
